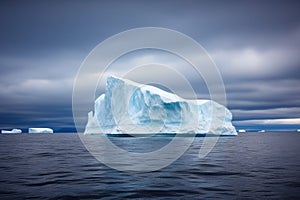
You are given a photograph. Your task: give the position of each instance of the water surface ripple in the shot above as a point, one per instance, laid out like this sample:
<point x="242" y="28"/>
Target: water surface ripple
<point x="57" y="166"/>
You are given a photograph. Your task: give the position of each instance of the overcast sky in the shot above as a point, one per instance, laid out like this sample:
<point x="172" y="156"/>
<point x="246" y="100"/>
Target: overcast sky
<point x="255" y="45"/>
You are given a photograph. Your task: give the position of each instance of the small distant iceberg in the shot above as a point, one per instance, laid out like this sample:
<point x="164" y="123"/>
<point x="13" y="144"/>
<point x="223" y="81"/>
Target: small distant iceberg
<point x="298" y="130"/>
<point x="242" y="131"/>
<point x="261" y="131"/>
<point x="12" y="131"/>
<point x="40" y="130"/>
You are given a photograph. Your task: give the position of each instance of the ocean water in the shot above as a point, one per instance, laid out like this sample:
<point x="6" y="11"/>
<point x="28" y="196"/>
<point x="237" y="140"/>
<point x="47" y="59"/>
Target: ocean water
<point x="57" y="166"/>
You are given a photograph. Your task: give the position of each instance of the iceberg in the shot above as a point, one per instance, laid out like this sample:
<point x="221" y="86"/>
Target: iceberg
<point x="130" y="107"/>
<point x="40" y="130"/>
<point x="92" y="126"/>
<point x="12" y="131"/>
<point x="242" y="131"/>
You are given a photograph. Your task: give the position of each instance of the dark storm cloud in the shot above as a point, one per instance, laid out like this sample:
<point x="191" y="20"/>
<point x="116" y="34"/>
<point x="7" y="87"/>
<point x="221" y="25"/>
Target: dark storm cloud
<point x="255" y="44"/>
<point x="70" y="24"/>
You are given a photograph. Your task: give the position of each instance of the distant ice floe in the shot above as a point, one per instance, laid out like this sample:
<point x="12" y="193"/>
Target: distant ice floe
<point x="262" y="131"/>
<point x="40" y="130"/>
<point x="242" y="131"/>
<point x="12" y="131"/>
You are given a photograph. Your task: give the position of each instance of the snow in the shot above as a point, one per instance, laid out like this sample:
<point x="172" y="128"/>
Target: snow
<point x="12" y="131"/>
<point x="40" y="130"/>
<point x="130" y="107"/>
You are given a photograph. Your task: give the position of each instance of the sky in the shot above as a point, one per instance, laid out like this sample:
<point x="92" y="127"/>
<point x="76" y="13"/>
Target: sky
<point x="255" y="45"/>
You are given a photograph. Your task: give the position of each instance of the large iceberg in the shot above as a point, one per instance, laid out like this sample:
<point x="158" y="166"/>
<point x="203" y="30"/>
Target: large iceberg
<point x="15" y="130"/>
<point x="40" y="130"/>
<point x="129" y="107"/>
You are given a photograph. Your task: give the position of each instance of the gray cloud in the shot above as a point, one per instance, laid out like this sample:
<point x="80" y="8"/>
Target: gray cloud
<point x="254" y="44"/>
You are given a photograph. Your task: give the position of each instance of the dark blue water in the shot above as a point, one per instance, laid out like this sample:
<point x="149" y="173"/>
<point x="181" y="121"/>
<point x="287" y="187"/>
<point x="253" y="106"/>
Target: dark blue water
<point x="57" y="166"/>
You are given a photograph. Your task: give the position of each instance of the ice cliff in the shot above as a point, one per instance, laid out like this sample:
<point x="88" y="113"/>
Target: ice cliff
<point x="130" y="107"/>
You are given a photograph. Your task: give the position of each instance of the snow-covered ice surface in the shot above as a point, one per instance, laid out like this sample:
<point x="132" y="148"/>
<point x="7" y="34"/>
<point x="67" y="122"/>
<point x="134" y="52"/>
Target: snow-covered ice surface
<point x="12" y="131"/>
<point x="40" y="130"/>
<point x="130" y="107"/>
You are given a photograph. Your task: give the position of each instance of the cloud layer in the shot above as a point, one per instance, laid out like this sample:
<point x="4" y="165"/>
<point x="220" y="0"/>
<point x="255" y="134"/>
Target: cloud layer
<point x="255" y="45"/>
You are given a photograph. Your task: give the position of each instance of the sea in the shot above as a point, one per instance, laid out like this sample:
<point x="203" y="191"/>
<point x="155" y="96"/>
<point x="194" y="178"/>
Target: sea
<point x="58" y="166"/>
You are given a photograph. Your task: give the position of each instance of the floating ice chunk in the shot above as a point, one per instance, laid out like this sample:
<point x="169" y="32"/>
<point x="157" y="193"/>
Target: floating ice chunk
<point x="40" y="130"/>
<point x="242" y="131"/>
<point x="130" y="107"/>
<point x="12" y="131"/>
